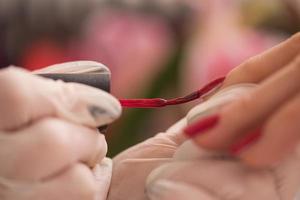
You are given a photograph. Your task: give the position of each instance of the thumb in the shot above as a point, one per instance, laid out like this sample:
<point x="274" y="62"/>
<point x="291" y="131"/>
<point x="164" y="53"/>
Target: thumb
<point x="26" y="97"/>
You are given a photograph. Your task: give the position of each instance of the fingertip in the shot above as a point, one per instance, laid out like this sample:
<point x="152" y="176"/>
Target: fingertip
<point x="86" y="105"/>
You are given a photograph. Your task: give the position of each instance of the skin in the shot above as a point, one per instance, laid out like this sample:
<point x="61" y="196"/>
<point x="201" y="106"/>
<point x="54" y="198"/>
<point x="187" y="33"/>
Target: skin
<point x="50" y="147"/>
<point x="276" y="111"/>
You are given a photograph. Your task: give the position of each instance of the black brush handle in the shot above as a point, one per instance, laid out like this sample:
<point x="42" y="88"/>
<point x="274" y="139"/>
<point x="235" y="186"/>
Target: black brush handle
<point x="97" y="80"/>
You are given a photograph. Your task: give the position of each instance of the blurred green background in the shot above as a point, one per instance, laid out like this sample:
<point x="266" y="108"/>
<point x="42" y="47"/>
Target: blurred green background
<point x="154" y="48"/>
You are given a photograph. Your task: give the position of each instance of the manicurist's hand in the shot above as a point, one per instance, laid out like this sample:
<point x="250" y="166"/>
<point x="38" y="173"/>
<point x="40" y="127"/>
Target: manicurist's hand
<point x="50" y="147"/>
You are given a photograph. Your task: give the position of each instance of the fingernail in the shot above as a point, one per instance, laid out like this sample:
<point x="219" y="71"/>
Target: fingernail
<point x="159" y="189"/>
<point x="241" y="145"/>
<point x="201" y="126"/>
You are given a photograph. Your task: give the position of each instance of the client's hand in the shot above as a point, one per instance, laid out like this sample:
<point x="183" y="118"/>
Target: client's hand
<point x="249" y="148"/>
<point x="50" y="147"/>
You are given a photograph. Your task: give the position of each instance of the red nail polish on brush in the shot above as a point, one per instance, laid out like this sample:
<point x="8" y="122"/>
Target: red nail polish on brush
<point x="158" y="102"/>
<point x="251" y="138"/>
<point x="201" y="126"/>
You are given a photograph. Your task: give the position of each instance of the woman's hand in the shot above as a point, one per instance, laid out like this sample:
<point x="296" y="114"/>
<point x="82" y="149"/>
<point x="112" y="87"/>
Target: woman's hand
<point x="50" y="147"/>
<point x="211" y="167"/>
<point x="272" y="109"/>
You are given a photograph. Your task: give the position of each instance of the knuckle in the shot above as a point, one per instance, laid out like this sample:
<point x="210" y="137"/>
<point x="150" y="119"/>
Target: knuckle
<point x="83" y="175"/>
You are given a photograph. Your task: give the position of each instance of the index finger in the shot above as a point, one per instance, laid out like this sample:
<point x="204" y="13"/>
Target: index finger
<point x="258" y="68"/>
<point x="25" y="98"/>
<point x="250" y="111"/>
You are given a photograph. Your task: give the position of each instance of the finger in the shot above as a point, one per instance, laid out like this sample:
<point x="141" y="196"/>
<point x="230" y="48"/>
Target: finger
<point x="47" y="147"/>
<point x="259" y="67"/>
<point x="251" y="110"/>
<point x="280" y="137"/>
<point x="223" y="179"/>
<point x="25" y="98"/>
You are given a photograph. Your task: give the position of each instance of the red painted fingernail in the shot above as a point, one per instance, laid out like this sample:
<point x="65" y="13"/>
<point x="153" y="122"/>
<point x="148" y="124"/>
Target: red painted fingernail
<point x="245" y="142"/>
<point x="201" y="126"/>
